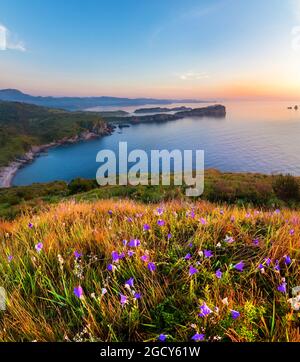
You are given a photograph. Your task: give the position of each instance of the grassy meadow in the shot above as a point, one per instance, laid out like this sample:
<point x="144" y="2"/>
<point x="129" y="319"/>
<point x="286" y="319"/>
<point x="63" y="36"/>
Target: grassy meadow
<point x="123" y="270"/>
<point x="242" y="189"/>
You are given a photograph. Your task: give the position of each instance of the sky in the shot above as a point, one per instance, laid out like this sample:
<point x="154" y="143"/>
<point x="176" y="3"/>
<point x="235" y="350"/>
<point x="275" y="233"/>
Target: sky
<point x="204" y="49"/>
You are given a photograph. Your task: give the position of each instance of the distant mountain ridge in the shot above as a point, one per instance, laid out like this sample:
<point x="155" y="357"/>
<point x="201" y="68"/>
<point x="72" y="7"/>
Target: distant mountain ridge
<point x="80" y="103"/>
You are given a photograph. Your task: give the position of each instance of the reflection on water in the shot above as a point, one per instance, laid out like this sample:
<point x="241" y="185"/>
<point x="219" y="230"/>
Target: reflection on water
<point x="254" y="137"/>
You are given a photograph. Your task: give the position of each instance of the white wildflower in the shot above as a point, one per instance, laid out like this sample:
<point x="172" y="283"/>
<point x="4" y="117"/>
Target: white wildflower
<point x="225" y="301"/>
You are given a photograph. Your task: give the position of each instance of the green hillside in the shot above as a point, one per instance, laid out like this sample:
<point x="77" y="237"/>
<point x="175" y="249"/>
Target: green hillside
<point x="23" y="125"/>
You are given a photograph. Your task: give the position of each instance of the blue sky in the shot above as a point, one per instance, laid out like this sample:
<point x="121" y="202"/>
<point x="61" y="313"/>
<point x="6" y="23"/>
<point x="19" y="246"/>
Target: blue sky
<point x="159" y="48"/>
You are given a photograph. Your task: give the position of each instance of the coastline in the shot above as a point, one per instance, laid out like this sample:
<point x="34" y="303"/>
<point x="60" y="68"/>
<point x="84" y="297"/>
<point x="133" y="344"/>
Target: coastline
<point x="7" y="173"/>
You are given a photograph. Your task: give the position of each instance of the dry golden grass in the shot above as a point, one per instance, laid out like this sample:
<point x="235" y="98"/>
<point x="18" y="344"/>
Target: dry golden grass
<point x="40" y="285"/>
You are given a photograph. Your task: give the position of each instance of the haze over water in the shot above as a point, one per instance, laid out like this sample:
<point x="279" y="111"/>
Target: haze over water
<point x="253" y="137"/>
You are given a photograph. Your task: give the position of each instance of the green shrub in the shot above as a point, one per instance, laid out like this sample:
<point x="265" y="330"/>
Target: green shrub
<point x="286" y="187"/>
<point x="81" y="185"/>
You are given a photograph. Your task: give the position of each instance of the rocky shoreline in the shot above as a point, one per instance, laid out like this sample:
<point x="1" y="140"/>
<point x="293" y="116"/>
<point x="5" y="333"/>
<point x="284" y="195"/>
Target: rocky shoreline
<point x="7" y="173"/>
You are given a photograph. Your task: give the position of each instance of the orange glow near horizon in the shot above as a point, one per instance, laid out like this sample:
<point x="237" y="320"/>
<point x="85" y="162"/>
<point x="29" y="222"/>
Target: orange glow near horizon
<point x="237" y="90"/>
<point x="285" y="86"/>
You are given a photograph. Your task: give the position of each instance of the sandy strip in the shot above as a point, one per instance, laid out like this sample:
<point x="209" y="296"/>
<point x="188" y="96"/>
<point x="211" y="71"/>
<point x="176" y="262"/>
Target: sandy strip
<point x="7" y="174"/>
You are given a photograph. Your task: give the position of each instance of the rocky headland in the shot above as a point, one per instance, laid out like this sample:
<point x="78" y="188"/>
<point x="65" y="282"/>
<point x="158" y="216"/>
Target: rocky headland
<point x="161" y="109"/>
<point x="217" y="111"/>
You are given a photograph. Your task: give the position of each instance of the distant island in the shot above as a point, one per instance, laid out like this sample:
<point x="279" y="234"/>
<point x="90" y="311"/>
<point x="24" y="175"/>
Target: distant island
<point x="295" y="107"/>
<point x="84" y="103"/>
<point x="161" y="110"/>
<point x="217" y="111"/>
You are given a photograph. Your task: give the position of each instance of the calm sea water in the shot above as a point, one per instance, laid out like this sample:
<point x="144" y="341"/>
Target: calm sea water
<point x="254" y="136"/>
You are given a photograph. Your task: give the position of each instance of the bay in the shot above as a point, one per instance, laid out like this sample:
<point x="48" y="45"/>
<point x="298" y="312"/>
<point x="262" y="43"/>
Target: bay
<point x="253" y="137"/>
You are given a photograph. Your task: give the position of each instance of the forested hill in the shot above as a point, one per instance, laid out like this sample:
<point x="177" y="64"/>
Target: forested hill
<point x="24" y="125"/>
